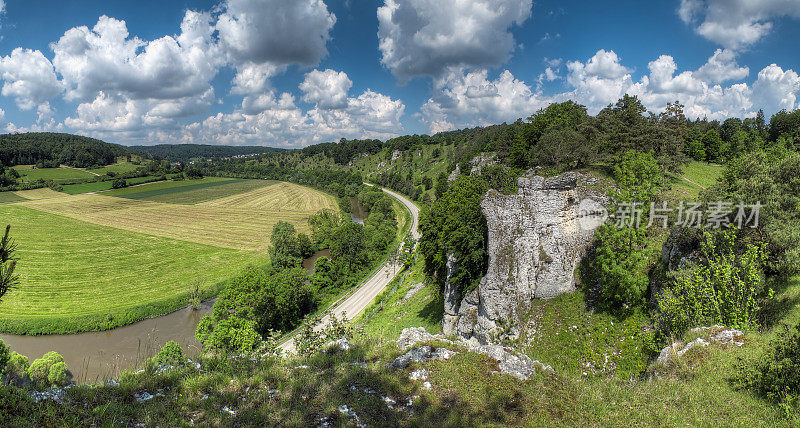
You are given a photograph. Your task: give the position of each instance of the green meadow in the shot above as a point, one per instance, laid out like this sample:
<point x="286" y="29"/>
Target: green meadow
<point x="77" y="276"/>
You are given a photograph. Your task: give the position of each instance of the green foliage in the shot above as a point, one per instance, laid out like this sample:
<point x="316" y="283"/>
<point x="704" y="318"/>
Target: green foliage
<point x="232" y="334"/>
<point x="775" y="375"/>
<point x="57" y="376"/>
<point x="39" y="371"/>
<point x="771" y="178"/>
<point x="17" y="365"/>
<point x="186" y="152"/>
<point x="119" y="183"/>
<point x="171" y="355"/>
<point x="454" y="224"/>
<point x="722" y="287"/>
<point x="50" y="150"/>
<point x="714" y="147"/>
<point x="8" y="262"/>
<point x="274" y="301"/>
<point x="312" y="336"/>
<point x="193" y="173"/>
<point x="5" y="357"/>
<point x="638" y="176"/>
<point x="619" y="269"/>
<point x="284" y="251"/>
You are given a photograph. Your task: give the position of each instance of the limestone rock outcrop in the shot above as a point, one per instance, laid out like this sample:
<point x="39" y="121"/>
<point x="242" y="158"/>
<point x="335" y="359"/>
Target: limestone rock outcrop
<point x="536" y="239"/>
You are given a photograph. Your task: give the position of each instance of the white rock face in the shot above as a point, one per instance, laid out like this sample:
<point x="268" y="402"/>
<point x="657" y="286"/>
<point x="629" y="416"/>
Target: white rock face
<point x="536" y="241"/>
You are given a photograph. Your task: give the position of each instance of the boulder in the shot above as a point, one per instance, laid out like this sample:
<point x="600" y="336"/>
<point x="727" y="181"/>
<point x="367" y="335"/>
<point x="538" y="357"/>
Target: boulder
<point x="536" y="239"/>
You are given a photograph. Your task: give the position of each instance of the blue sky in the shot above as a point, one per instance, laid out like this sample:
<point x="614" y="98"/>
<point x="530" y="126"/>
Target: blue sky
<point x="289" y="74"/>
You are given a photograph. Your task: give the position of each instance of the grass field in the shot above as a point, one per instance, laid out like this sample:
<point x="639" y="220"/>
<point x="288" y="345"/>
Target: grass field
<point x="92" y="261"/>
<point x="118" y="168"/>
<point x="228" y="228"/>
<point x="702" y="173"/>
<point x="98" y="186"/>
<point x="696" y="177"/>
<point x="277" y="197"/>
<point x="6" y="197"/>
<point x="28" y="174"/>
<point x="165" y="187"/>
<point x="43" y="193"/>
<point x="78" y="276"/>
<point x="195" y="195"/>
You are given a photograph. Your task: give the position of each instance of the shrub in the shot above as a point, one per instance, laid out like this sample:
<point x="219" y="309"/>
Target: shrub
<point x="58" y="374"/>
<point x="234" y="335"/>
<point x="171" y="355"/>
<point x="17" y="365"/>
<point x="119" y="183"/>
<point x="619" y="268"/>
<point x="4" y="357"/>
<point x="722" y="287"/>
<point x="39" y="370"/>
<point x="775" y="375"/>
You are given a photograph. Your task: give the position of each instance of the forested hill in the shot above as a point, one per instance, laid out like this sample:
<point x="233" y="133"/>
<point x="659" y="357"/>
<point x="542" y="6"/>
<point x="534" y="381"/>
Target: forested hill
<point x="48" y="149"/>
<point x="187" y="152"/>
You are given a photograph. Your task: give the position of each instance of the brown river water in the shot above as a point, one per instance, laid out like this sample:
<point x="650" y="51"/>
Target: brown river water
<point x="98" y="355"/>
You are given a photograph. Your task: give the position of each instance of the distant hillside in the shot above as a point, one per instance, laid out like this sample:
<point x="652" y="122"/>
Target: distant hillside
<point x="50" y="149"/>
<point x="187" y="152"/>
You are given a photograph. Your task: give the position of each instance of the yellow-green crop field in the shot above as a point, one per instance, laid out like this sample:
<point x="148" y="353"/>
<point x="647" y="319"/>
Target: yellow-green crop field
<point x="93" y="262"/>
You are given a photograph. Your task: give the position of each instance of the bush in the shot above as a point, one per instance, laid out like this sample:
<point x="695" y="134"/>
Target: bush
<point x="4" y="357"/>
<point x="171" y="355"/>
<point x="232" y="334"/>
<point x="39" y="370"/>
<point x="722" y="287"/>
<point x="58" y="374"/>
<point x="619" y="268"/>
<point x="119" y="183"/>
<point x="17" y="365"/>
<point x="775" y="375"/>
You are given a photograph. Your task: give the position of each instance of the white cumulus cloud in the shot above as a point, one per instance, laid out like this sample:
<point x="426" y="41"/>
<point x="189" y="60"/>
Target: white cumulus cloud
<point x="327" y="89"/>
<point x="427" y="37"/>
<point x="735" y="24"/>
<point x="29" y="78"/>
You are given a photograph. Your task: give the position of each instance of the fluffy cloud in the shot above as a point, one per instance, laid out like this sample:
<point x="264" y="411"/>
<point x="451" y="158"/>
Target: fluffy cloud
<point x="276" y="31"/>
<point x="722" y="67"/>
<point x="427" y="37"/>
<point x="327" y="89"/>
<point x="253" y="78"/>
<point x="462" y="100"/>
<point x="29" y="78"/>
<point x="599" y="81"/>
<point x="735" y="23"/>
<point x="105" y="59"/>
<point x="472" y="99"/>
<point x="277" y="120"/>
<point x="125" y="82"/>
<point x="776" y="88"/>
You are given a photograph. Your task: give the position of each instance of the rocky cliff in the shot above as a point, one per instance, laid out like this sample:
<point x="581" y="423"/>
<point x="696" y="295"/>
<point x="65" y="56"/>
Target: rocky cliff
<point x="536" y="239"/>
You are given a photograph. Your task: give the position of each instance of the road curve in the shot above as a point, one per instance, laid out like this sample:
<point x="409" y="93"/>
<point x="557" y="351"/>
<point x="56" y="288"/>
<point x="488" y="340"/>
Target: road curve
<point x="373" y="286"/>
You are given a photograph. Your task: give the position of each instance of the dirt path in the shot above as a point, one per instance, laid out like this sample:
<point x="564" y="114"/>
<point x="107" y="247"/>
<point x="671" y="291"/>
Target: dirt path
<point x="373" y="286"/>
<point x="690" y="181"/>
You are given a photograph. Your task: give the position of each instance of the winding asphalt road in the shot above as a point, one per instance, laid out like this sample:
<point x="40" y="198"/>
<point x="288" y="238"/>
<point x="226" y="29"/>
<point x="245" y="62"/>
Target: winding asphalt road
<point x="372" y="287"/>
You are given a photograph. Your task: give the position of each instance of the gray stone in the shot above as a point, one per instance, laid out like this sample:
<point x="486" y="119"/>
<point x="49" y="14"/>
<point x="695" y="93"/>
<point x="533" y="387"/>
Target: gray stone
<point x="420" y="355"/>
<point x="409" y="337"/>
<point x="519" y="366"/>
<point x="420" y="374"/>
<point x="338" y="345"/>
<point x="536" y="239"/>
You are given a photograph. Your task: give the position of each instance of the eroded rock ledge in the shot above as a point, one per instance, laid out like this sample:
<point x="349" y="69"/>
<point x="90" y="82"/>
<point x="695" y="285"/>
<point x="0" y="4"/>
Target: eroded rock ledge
<point x="536" y="239"/>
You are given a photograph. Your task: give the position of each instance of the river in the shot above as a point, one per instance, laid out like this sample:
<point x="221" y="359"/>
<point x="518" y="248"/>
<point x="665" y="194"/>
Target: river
<point x="98" y="355"/>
